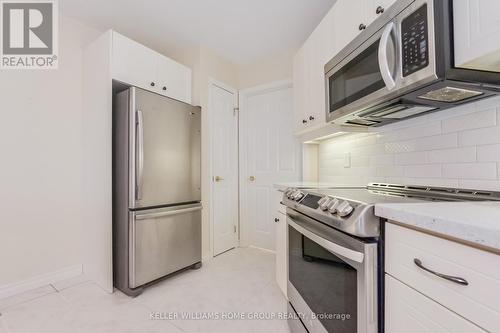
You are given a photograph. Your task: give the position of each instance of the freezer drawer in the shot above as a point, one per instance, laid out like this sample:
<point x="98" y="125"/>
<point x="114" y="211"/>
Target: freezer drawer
<point x="163" y="241"/>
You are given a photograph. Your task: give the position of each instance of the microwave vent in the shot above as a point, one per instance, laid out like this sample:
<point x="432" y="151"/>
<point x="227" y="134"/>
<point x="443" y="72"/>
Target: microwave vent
<point x="450" y="94"/>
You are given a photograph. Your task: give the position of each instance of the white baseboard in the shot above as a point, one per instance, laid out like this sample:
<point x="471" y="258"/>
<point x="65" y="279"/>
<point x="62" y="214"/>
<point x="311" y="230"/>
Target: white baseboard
<point x="262" y="249"/>
<point x="39" y="281"/>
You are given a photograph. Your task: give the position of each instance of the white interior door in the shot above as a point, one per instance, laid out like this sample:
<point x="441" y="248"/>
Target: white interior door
<point x="269" y="154"/>
<point x="224" y="168"/>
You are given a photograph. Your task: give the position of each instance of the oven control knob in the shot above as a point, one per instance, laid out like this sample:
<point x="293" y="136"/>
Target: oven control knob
<point x="290" y="193"/>
<point x="344" y="209"/>
<point x="324" y="205"/>
<point x="298" y="195"/>
<point x="322" y="200"/>
<point x="334" y="204"/>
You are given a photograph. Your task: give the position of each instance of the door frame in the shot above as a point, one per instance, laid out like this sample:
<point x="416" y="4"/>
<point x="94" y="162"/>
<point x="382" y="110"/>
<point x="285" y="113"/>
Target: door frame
<point x="244" y="224"/>
<point x="215" y="83"/>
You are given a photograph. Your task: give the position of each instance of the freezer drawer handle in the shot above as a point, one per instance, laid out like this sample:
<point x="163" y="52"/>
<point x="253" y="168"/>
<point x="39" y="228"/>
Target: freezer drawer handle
<point x="140" y="156"/>
<point x="167" y="213"/>
<point x="455" y="279"/>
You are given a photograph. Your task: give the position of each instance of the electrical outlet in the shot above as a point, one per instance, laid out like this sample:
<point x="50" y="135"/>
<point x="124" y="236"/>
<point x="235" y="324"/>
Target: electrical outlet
<point x="347" y="160"/>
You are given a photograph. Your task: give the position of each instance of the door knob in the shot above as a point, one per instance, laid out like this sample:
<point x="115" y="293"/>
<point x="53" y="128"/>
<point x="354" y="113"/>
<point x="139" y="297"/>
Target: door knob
<point x="251" y="178"/>
<point x="218" y="179"/>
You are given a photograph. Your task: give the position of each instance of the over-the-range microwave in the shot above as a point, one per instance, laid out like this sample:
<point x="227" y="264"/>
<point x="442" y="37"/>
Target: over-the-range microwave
<point x="402" y="66"/>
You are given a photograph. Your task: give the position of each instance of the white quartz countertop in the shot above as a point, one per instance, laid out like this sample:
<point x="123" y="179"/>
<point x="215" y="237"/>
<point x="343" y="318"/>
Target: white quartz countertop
<point x="283" y="186"/>
<point x="473" y="222"/>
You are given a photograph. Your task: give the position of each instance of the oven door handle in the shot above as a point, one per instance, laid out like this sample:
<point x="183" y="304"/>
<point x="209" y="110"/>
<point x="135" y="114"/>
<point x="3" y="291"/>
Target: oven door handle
<point x="383" y="60"/>
<point x="330" y="246"/>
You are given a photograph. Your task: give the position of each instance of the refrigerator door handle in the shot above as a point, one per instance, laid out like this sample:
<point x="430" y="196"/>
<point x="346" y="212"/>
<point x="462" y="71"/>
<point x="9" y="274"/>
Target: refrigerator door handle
<point x="167" y="213"/>
<point x="139" y="160"/>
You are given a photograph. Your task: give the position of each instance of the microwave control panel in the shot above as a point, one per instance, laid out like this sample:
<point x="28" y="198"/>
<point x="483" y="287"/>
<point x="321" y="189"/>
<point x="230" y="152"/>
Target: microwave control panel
<point x="415" y="41"/>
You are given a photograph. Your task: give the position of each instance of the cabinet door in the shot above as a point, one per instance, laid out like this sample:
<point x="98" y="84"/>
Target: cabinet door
<point x="411" y="312"/>
<point x="174" y="79"/>
<point x="281" y="244"/>
<point x="300" y="90"/>
<point x="134" y="63"/>
<point x="476" y="30"/>
<point x="376" y="8"/>
<point x="349" y="15"/>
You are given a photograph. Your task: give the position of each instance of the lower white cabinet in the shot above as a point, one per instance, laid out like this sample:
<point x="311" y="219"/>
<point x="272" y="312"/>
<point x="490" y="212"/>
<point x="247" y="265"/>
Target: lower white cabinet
<point x="281" y="244"/>
<point x="408" y="311"/>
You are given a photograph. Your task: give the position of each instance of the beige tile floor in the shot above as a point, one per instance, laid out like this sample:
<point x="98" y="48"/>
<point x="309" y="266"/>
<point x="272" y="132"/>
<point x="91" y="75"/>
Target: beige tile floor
<point x="238" y="282"/>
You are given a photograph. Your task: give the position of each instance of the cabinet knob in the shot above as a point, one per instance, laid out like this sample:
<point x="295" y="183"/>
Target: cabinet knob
<point x="311" y="118"/>
<point x="152" y="84"/>
<point x="276" y="220"/>
<point x="379" y="10"/>
<point x="164" y="88"/>
<point x="304" y="121"/>
<point x="362" y="26"/>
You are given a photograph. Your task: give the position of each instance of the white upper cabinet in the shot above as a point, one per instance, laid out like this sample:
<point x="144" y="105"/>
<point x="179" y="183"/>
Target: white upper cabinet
<point x="133" y="63"/>
<point x="351" y="18"/>
<point x="137" y="65"/>
<point x="174" y="79"/>
<point x="477" y="30"/>
<point x="377" y="7"/>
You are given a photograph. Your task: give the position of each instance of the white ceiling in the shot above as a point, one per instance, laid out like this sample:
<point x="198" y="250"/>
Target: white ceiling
<point x="242" y="31"/>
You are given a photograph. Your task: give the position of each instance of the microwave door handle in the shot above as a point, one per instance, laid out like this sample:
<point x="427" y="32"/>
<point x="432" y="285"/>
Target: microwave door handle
<point x="330" y="246"/>
<point x="383" y="61"/>
<point x="139" y="159"/>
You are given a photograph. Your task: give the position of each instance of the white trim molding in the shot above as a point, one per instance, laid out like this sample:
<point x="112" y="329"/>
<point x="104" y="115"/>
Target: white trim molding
<point x="39" y="281"/>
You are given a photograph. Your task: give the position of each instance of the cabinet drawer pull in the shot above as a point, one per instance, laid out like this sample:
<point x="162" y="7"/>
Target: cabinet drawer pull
<point x="311" y="118"/>
<point x="152" y="84"/>
<point x="304" y="121"/>
<point x="276" y="220"/>
<point x="164" y="88"/>
<point x="362" y="26"/>
<point x="454" y="279"/>
<point x="379" y="10"/>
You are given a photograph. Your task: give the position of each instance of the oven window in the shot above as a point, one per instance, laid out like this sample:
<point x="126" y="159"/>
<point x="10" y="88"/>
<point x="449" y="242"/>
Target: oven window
<point x="326" y="283"/>
<point x="358" y="78"/>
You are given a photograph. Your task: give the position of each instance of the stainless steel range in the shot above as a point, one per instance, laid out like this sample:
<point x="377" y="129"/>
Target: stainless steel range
<point x="335" y="253"/>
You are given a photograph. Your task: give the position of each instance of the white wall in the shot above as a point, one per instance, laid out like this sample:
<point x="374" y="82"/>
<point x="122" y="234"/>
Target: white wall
<point x="277" y="67"/>
<point x="41" y="172"/>
<point x="458" y="147"/>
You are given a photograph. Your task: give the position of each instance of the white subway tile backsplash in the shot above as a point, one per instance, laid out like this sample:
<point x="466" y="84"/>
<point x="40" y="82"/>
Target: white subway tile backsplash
<point x="379" y="160"/>
<point x="458" y="147"/>
<point x="390" y="171"/>
<point x="412" y="132"/>
<point x="423" y="171"/>
<point x="436" y="142"/>
<point x="411" y="158"/>
<point x="488" y="153"/>
<point x="486" y="118"/>
<point x="457" y="155"/>
<point x="481" y="136"/>
<point x="480" y="184"/>
<point x="470" y="171"/>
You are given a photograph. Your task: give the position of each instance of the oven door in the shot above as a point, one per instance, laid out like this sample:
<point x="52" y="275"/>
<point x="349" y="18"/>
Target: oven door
<point x="332" y="278"/>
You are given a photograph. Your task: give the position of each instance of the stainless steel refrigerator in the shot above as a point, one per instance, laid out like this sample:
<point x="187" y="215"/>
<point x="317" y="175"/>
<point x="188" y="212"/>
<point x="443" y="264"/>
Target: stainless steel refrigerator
<point x="156" y="188"/>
